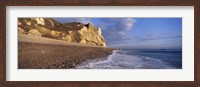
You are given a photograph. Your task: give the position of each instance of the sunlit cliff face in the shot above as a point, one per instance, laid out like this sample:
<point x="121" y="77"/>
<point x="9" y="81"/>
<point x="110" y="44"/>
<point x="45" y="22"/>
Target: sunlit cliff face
<point x="72" y="32"/>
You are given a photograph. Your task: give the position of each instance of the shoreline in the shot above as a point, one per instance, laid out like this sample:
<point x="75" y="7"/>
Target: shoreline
<point x="54" y="56"/>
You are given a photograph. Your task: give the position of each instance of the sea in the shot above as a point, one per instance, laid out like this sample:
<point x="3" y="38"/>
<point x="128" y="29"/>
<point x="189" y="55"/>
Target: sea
<point x="137" y="59"/>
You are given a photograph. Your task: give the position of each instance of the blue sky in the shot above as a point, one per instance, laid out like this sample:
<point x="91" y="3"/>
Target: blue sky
<point x="137" y="33"/>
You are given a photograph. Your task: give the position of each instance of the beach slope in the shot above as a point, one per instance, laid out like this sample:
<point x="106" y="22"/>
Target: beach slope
<point x="44" y="53"/>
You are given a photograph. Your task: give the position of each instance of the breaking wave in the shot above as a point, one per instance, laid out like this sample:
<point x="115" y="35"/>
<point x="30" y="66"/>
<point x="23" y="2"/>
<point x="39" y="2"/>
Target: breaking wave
<point x="120" y="59"/>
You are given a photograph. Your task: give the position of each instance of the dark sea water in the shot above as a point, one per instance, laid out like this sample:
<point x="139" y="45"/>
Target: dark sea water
<point x="137" y="59"/>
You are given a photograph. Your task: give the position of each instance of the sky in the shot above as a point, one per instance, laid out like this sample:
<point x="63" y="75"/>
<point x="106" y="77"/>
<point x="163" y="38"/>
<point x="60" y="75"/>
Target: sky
<point x="137" y="33"/>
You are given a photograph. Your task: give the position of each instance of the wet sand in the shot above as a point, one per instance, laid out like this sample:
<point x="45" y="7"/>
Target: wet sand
<point x="33" y="55"/>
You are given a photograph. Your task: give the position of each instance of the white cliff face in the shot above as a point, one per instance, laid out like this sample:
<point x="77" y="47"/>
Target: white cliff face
<point x="51" y="22"/>
<point x="72" y="32"/>
<point x="92" y="36"/>
<point x="39" y="21"/>
<point x="46" y="22"/>
<point x="99" y="30"/>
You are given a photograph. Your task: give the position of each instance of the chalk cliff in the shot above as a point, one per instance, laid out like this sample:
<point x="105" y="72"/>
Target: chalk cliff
<point x="72" y="32"/>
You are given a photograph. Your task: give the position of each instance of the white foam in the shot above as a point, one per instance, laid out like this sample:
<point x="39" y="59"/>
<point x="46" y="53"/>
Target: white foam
<point x="122" y="61"/>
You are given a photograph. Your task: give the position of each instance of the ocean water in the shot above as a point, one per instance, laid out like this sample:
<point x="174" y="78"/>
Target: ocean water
<point x="137" y="59"/>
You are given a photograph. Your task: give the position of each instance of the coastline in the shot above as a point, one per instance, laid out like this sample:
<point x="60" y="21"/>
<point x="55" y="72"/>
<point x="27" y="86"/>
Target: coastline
<point x="54" y="55"/>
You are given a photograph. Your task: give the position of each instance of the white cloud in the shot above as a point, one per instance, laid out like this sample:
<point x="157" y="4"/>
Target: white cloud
<point x="128" y="23"/>
<point x="116" y="29"/>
